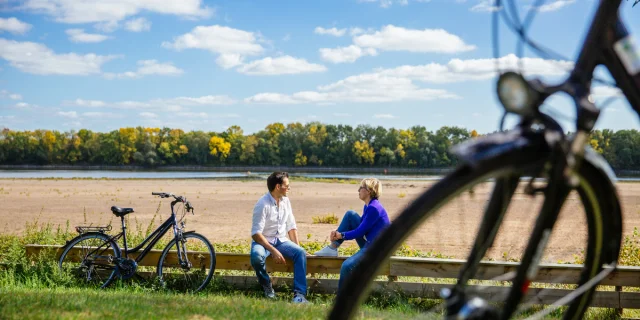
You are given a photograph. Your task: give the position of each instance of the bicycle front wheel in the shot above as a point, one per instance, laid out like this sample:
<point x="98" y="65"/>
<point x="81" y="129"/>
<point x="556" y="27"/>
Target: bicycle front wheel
<point x="188" y="264"/>
<point x="442" y="195"/>
<point x="90" y="258"/>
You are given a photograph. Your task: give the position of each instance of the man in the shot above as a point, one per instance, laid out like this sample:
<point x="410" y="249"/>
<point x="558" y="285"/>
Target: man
<point x="273" y="220"/>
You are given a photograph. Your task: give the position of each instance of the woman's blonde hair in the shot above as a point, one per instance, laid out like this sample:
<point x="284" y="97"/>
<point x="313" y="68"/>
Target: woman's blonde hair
<point x="372" y="185"/>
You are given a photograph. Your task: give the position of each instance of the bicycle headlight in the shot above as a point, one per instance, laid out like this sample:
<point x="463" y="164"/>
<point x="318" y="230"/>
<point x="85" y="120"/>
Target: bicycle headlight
<point x="515" y="94"/>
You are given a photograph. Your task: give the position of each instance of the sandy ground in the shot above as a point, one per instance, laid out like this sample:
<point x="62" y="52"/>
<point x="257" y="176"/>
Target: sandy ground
<point x="224" y="208"/>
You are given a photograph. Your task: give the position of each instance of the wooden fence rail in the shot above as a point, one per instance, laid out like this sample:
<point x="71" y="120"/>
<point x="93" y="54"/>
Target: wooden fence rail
<point x="434" y="269"/>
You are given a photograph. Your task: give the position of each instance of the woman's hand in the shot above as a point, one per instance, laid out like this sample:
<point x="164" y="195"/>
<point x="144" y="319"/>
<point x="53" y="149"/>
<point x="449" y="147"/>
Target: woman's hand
<point x="335" y="235"/>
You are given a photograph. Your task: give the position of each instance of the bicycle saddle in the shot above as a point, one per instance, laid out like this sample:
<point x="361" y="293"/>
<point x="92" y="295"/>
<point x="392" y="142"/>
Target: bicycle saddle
<point x="121" y="212"/>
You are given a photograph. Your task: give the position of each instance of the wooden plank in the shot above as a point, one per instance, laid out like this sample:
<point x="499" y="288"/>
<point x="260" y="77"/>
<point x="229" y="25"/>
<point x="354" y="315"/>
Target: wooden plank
<point x="405" y="266"/>
<point x="630" y="300"/>
<point x="488" y="270"/>
<point x="224" y="261"/>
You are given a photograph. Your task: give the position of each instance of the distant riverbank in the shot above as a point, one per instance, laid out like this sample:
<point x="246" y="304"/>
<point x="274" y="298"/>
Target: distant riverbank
<point x="247" y="172"/>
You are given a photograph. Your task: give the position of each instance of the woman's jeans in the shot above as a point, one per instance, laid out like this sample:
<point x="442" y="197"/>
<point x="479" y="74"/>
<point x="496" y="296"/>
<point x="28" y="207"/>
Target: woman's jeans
<point x="350" y="221"/>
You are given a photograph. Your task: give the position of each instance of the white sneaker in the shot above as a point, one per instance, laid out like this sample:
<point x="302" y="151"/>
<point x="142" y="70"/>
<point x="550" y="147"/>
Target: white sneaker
<point x="327" y="251"/>
<point x="298" y="298"/>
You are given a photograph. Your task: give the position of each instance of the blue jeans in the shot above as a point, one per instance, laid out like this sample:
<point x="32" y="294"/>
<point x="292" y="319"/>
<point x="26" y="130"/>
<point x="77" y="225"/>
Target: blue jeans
<point x="288" y="250"/>
<point x="350" y="221"/>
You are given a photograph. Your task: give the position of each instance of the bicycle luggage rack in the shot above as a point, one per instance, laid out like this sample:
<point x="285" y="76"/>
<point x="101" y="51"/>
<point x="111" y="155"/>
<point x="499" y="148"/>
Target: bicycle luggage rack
<point x="85" y="229"/>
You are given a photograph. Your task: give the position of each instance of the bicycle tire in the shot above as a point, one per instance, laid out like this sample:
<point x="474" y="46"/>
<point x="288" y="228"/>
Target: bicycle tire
<point x="211" y="264"/>
<point x="357" y="285"/>
<point x="87" y="236"/>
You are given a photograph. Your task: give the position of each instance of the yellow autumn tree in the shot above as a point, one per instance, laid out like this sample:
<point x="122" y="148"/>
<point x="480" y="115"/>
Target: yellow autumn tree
<point x="364" y="152"/>
<point x="219" y="147"/>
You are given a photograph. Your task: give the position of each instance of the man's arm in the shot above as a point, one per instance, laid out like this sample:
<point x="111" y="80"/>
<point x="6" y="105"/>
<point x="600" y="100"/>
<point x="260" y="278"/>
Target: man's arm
<point x="293" y="235"/>
<point x="258" y="222"/>
<point x="277" y="256"/>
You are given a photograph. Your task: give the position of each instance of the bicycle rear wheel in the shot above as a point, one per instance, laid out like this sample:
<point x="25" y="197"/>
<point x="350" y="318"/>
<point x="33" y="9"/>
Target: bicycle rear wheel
<point x="358" y="284"/>
<point x="90" y="258"/>
<point x="198" y="263"/>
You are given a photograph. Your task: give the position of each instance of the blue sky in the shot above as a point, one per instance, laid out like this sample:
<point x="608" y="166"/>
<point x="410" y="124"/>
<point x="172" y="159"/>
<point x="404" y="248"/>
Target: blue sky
<point x="207" y="65"/>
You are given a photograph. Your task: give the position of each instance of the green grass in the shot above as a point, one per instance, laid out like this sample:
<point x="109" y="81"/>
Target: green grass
<point x="48" y="292"/>
<point x="327" y="219"/>
<point x="61" y="303"/>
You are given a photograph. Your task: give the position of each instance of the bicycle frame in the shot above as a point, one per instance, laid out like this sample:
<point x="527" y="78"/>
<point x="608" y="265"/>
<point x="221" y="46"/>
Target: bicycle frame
<point x="151" y="239"/>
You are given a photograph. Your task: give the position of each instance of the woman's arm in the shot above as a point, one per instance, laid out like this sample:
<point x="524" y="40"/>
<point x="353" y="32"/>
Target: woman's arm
<point x="371" y="215"/>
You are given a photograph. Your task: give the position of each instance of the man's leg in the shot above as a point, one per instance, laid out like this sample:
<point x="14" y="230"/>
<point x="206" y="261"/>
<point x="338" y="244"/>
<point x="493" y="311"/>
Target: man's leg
<point x="258" y="257"/>
<point x="294" y="252"/>
<point x="348" y="265"/>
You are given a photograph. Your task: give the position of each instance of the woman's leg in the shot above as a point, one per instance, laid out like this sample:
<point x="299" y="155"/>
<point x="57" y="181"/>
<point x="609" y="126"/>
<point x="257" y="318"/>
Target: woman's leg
<point x="348" y="265"/>
<point x="350" y="221"/>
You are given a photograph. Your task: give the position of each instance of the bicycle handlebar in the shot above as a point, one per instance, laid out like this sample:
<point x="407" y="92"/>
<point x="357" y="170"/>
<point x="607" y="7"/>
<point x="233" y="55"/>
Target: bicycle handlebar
<point x="182" y="199"/>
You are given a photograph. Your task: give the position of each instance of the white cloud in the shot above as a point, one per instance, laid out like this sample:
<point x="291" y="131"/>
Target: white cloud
<point x="131" y="105"/>
<point x="346" y="54"/>
<point x="392" y="38"/>
<point x="233" y="43"/>
<point x="148" y="115"/>
<point x="14" y="26"/>
<point x="270" y="97"/>
<point x="386" y="3"/>
<point x="384" y="116"/>
<point x="197" y="115"/>
<point x="138" y="25"/>
<point x="109" y="26"/>
<point x="457" y="70"/>
<point x="341" y="115"/>
<point x="87" y="103"/>
<point x="173" y="105"/>
<point x="22" y="105"/>
<point x="69" y="114"/>
<point x="280" y="65"/>
<point x="229" y="60"/>
<point x="15" y="96"/>
<point x="333" y="31"/>
<point x="361" y="88"/>
<point x="356" y="31"/>
<point x="73" y="124"/>
<point x="108" y="115"/>
<point x="199" y="101"/>
<point x="78" y="35"/>
<point x="485" y="6"/>
<point x="397" y="84"/>
<point x="555" y="5"/>
<point x="89" y="11"/>
<point x="148" y="67"/>
<point x="38" y="59"/>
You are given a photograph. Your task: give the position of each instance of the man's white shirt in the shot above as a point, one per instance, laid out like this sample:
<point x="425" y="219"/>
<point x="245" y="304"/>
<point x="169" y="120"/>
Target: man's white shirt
<point x="273" y="221"/>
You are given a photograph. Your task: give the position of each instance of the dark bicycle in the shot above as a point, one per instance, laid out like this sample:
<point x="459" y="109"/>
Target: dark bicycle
<point x="551" y="163"/>
<point x="187" y="263"/>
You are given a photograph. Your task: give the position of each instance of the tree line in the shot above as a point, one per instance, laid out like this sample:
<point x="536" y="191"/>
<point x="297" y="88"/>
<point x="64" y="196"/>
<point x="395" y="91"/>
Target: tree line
<point x="293" y="144"/>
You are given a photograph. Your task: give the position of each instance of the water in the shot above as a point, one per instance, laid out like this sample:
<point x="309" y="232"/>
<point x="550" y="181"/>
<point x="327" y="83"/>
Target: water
<point x="113" y="174"/>
<point x="117" y="174"/>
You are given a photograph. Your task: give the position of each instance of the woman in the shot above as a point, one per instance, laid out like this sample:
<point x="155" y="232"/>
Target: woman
<point x="363" y="229"/>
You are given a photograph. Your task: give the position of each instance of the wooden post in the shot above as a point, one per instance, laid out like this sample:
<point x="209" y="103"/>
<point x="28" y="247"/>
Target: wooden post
<point x="619" y="310"/>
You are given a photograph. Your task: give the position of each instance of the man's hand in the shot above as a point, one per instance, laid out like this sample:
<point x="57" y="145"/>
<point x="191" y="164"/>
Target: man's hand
<point x="277" y="257"/>
<point x="335" y="235"/>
